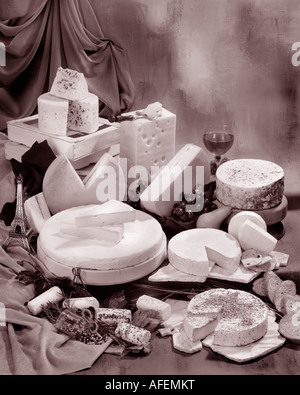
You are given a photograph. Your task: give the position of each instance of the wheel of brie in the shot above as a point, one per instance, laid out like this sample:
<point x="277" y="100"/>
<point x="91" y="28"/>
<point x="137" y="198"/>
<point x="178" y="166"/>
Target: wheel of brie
<point x="141" y="249"/>
<point x="243" y="317"/>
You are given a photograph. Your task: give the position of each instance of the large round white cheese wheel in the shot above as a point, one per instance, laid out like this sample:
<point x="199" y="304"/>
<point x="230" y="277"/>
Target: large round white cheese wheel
<point x="191" y="251"/>
<point x="243" y="316"/>
<point x="250" y="184"/>
<point x="142" y="240"/>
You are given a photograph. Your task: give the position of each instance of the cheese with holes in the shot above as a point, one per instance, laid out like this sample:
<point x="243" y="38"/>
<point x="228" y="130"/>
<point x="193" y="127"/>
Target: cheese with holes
<point x="63" y="188"/>
<point x="52" y="115"/>
<point x="83" y="115"/>
<point x="148" y="143"/>
<point x="243" y="318"/>
<point x="197" y="328"/>
<point x="188" y="168"/>
<point x="252" y="236"/>
<point x="37" y="211"/>
<point x="191" y="251"/>
<point x="135" y="248"/>
<point x="239" y="219"/>
<point x="250" y="184"/>
<point x="69" y="84"/>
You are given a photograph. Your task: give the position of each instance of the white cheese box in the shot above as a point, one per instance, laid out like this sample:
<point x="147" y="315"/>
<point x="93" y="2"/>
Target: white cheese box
<point x="148" y="143"/>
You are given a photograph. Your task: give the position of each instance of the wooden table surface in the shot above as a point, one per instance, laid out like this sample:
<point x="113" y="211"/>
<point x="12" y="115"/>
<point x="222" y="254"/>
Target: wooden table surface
<point x="165" y="360"/>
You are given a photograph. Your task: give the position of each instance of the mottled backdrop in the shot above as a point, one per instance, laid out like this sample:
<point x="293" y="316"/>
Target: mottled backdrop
<point x="212" y="61"/>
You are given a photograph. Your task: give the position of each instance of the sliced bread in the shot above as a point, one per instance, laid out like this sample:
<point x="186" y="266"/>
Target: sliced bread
<point x="259" y="288"/>
<point x="271" y="281"/>
<point x="290" y="304"/>
<point x="287" y="287"/>
<point x="289" y="327"/>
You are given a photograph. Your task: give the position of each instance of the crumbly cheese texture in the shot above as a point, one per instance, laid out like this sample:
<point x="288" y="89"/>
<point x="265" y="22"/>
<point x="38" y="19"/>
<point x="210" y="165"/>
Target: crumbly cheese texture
<point x="193" y="250"/>
<point x="148" y="143"/>
<point x="69" y="84"/>
<point x="243" y="318"/>
<point x="83" y="115"/>
<point x="135" y="247"/>
<point x="250" y="184"/>
<point x="52" y="115"/>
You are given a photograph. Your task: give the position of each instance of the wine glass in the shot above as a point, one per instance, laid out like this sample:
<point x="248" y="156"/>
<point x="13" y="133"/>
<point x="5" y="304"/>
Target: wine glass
<point x="218" y="140"/>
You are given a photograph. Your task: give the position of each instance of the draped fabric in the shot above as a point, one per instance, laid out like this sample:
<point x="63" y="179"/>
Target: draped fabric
<point x="41" y="35"/>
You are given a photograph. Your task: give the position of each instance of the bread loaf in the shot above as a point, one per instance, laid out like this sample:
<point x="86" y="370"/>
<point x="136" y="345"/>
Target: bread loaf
<point x="287" y="287"/>
<point x="259" y="288"/>
<point x="289" y="327"/>
<point x="271" y="281"/>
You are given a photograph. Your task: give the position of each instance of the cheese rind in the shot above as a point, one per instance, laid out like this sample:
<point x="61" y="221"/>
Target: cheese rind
<point x="189" y="167"/>
<point x="83" y="115"/>
<point x="250" y="184"/>
<point x="69" y="84"/>
<point x="239" y="219"/>
<point x="191" y="251"/>
<point x="160" y="309"/>
<point x="106" y="235"/>
<point x="252" y="236"/>
<point x="243" y="319"/>
<point x="53" y="115"/>
<point x="197" y="328"/>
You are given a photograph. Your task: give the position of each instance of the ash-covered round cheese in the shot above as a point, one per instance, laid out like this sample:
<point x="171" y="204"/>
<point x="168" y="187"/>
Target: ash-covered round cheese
<point x="250" y="184"/>
<point x="243" y="316"/>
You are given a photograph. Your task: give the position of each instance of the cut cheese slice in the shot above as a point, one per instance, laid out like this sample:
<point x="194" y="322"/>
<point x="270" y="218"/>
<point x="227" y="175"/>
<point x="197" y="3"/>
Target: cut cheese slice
<point x="239" y="219"/>
<point x="69" y="84"/>
<point x="37" y="211"/>
<point x="64" y="189"/>
<point x="253" y="236"/>
<point x="192" y="250"/>
<point x="182" y="343"/>
<point x="106" y="235"/>
<point x="197" y="328"/>
<point x="189" y="167"/>
<point x="83" y="115"/>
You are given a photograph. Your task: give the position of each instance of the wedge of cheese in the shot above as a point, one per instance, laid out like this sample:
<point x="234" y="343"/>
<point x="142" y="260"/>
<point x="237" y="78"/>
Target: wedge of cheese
<point x="193" y="250"/>
<point x="253" y="236"/>
<point x="83" y="115"/>
<point x="64" y="189"/>
<point x="239" y="219"/>
<point x="69" y="84"/>
<point x="106" y="235"/>
<point x="197" y="328"/>
<point x="37" y="211"/>
<point x="189" y="167"/>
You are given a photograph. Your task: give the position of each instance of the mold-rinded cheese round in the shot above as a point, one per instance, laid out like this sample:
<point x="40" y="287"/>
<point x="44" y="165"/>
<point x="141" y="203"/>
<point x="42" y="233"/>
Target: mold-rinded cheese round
<point x="53" y="115"/>
<point x="191" y="251"/>
<point x="135" y="247"/>
<point x="243" y="318"/>
<point x="250" y="184"/>
<point x="239" y="219"/>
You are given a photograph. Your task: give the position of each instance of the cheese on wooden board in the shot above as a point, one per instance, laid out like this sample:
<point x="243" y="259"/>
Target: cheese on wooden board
<point x="135" y="247"/>
<point x="243" y="318"/>
<point x="53" y="115"/>
<point x="83" y="115"/>
<point x="249" y="184"/>
<point x="37" y="211"/>
<point x="191" y="251"/>
<point x="148" y="143"/>
<point x="175" y="178"/>
<point x="158" y="308"/>
<point x="69" y="84"/>
<point x="253" y="236"/>
<point x="239" y="219"/>
<point x="106" y="235"/>
<point x="64" y="189"/>
<point x="197" y="328"/>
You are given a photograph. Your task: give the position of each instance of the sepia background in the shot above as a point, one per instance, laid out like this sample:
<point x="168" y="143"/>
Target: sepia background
<point x="212" y="61"/>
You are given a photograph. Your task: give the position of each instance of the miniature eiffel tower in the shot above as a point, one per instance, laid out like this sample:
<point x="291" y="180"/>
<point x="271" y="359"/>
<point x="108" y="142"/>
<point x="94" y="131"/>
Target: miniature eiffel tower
<point x="19" y="228"/>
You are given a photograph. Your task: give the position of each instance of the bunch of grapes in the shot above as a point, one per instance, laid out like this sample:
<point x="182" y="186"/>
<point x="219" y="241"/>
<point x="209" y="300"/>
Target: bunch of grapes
<point x="202" y="201"/>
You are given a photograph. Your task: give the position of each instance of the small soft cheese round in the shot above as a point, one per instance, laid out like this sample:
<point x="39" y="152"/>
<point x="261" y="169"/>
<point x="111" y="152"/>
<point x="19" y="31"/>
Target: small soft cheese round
<point x="239" y="219"/>
<point x="52" y="115"/>
<point x="135" y="247"/>
<point x="243" y="316"/>
<point x="250" y="184"/>
<point x="192" y="251"/>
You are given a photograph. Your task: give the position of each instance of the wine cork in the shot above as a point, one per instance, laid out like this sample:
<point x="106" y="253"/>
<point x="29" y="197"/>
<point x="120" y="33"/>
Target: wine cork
<point x="35" y="306"/>
<point x="81" y="303"/>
